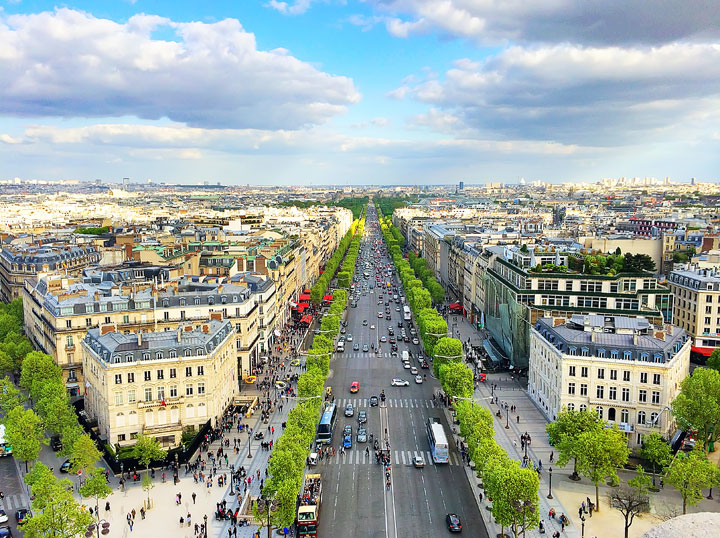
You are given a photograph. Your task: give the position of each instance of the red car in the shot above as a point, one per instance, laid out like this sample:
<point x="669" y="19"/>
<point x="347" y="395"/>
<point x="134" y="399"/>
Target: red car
<point x="354" y="387"/>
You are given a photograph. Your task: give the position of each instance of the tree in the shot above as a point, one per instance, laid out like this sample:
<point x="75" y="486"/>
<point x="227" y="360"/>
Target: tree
<point x="656" y="451"/>
<point x="310" y="383"/>
<point x="690" y="474"/>
<point x="446" y="350"/>
<point x="10" y="397"/>
<point x="713" y="361"/>
<point x="84" y="455"/>
<point x="7" y="364"/>
<point x="147" y="449"/>
<point x="632" y="499"/>
<point x="457" y="379"/>
<point x="56" y="513"/>
<point x="37" y="370"/>
<point x="697" y="407"/>
<point x="514" y="493"/>
<point x="24" y="431"/>
<point x="565" y="431"/>
<point x="600" y="452"/>
<point x="96" y="486"/>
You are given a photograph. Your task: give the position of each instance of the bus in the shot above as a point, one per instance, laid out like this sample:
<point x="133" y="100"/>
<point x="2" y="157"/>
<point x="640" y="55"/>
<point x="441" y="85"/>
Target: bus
<point x="5" y="448"/>
<point x="437" y="440"/>
<point x="406" y="313"/>
<point x="327" y="424"/>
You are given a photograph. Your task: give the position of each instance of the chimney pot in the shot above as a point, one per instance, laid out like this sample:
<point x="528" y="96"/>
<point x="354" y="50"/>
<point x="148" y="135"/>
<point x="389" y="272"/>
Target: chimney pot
<point x="139" y="338"/>
<point x="206" y="328"/>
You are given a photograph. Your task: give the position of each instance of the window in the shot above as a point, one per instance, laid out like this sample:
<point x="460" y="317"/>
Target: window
<point x="148" y="394"/>
<point x="121" y="437"/>
<point x="613" y="354"/>
<point x="146" y="356"/>
<point x="188" y="390"/>
<point x="585" y="352"/>
<point x="642" y="396"/>
<point x="173" y="373"/>
<point x="166" y="316"/>
<point x="601" y="353"/>
<point x="107" y="319"/>
<point x="624" y="415"/>
<point x="572" y="351"/>
<point x="643" y="377"/>
<point x="126" y="318"/>
<point x="626" y="375"/>
<point x="641" y="417"/>
<point x="613" y="375"/>
<point x="161" y="393"/>
<point x="656" y="379"/>
<point x="571" y="371"/>
<point x="160" y="374"/>
<point x="188" y="371"/>
<point x="600" y="391"/>
<point x="200" y="370"/>
<point x="584" y="371"/>
<point x="656" y="397"/>
<point x="131" y="396"/>
<point x="118" y="398"/>
<point x="611" y="413"/>
<point x="653" y="418"/>
<point x="601" y="373"/>
<point x="173" y="391"/>
<point x="583" y="407"/>
<point x="118" y="379"/>
<point x="159" y="355"/>
<point x="625" y="394"/>
<point x="583" y="389"/>
<point x="69" y="341"/>
<point x="627" y="355"/>
<point x="147" y="375"/>
<point x="188" y="352"/>
<point x="571" y="407"/>
<point x="599" y="411"/>
<point x="571" y="388"/>
<point x="201" y="388"/>
<point x="612" y="393"/>
<point x="68" y="323"/>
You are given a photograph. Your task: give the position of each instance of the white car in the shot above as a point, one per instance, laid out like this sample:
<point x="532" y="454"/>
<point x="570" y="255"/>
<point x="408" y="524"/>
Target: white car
<point x="406" y="365"/>
<point x="3" y="517"/>
<point x="414" y="371"/>
<point x="372" y="327"/>
<point x="397" y="382"/>
<point x="415" y="341"/>
<point x="418" y="379"/>
<point x="349" y="337"/>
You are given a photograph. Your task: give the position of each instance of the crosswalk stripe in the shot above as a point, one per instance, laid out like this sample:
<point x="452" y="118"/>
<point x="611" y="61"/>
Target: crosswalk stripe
<point x="429" y="457"/>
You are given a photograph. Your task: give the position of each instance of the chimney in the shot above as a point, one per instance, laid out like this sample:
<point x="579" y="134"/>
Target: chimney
<point x="188" y="328"/>
<point x="592" y="336"/>
<point x="179" y="334"/>
<point x="216" y="316"/>
<point x="558" y="321"/>
<point x="97" y="296"/>
<point x="139" y="335"/>
<point x="635" y="339"/>
<point x="660" y="335"/>
<point x="104" y="329"/>
<point x="206" y="328"/>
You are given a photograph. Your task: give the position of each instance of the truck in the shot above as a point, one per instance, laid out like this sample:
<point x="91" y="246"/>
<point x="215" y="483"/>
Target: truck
<point x="5" y="448"/>
<point x="308" y="513"/>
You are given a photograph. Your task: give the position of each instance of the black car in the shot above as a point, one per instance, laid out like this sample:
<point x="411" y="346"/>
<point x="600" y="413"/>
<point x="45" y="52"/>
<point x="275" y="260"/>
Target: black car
<point x="5" y="532"/>
<point x="453" y="523"/>
<point x="56" y="443"/>
<point x="399" y="324"/>
<point x="65" y="467"/>
<point x="22" y="515"/>
<point x="373" y="401"/>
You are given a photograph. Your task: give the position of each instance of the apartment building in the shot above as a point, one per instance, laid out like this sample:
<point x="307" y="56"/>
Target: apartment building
<point x="625" y="369"/>
<point x="59" y="312"/>
<point x="158" y="383"/>
<point x="19" y="262"/>
<point x="696" y="307"/>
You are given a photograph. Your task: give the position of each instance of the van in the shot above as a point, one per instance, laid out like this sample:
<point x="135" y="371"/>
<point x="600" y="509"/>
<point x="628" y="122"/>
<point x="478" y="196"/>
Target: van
<point x="340" y="347"/>
<point x="405" y="355"/>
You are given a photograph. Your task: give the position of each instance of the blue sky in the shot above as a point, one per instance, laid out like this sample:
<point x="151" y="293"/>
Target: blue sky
<point x="359" y="92"/>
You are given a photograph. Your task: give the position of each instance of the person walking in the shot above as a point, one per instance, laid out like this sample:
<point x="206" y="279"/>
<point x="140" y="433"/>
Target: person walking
<point x="193" y="497"/>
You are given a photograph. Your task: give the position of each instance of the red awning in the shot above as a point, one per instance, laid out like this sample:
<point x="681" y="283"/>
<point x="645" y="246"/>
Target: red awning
<point x="327" y="298"/>
<point x="307" y="318"/>
<point x="704" y="351"/>
<point x="306" y="291"/>
<point x="456" y="306"/>
<point x="301" y="308"/>
<point x="305" y="297"/>
<point x="304" y="305"/>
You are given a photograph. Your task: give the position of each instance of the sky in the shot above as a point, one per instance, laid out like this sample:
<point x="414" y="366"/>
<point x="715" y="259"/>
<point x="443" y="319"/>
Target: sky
<point x="348" y="92"/>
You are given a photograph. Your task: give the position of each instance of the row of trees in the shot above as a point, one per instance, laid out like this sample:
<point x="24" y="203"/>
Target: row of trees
<point x="426" y="276"/>
<point x="290" y="452"/>
<point x="347" y="269"/>
<point x="512" y="489"/>
<point x="317" y="292"/>
<point x="355" y="204"/>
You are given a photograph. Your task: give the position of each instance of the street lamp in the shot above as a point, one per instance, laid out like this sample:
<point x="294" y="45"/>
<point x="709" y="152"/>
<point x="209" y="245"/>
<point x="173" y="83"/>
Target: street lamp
<point x="96" y="527"/>
<point x="507" y="422"/>
<point x="522" y="507"/>
<point x="268" y="506"/>
<point x="582" y="523"/>
<point x="549" y="495"/>
<point x="205" y="526"/>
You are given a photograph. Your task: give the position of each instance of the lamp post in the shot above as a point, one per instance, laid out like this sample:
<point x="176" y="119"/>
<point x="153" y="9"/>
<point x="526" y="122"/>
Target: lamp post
<point x="93" y="527"/>
<point x="522" y="507"/>
<point x="582" y="526"/>
<point x="549" y="495"/>
<point x="507" y="422"/>
<point x="205" y="526"/>
<point x="268" y="506"/>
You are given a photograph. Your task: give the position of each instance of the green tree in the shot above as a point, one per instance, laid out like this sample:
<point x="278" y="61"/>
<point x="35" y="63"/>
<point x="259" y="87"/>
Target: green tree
<point x="565" y="431"/>
<point x="600" y="452"/>
<point x="17" y="347"/>
<point x="310" y="383"/>
<point x="95" y="487"/>
<point x="656" y="451"/>
<point x="84" y="455"/>
<point x="7" y="364"/>
<point x="457" y="379"/>
<point x="38" y="369"/>
<point x="24" y="431"/>
<point x="514" y="493"/>
<point x="713" y="361"/>
<point x="446" y="350"/>
<point x="633" y="499"/>
<point x="421" y="299"/>
<point x="10" y="397"/>
<point x="690" y="474"/>
<point x="146" y="450"/>
<point x="56" y="513"/>
<point x="697" y="407"/>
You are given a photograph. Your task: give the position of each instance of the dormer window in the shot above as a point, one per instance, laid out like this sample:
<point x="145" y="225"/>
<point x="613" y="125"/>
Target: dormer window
<point x="188" y="352"/>
<point x="572" y="351"/>
<point x="146" y="356"/>
<point x="159" y="355"/>
<point x="627" y="355"/>
<point x="200" y="351"/>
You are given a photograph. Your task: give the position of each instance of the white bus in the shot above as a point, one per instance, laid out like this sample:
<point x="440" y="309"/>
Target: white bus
<point x="437" y="440"/>
<point x="406" y="313"/>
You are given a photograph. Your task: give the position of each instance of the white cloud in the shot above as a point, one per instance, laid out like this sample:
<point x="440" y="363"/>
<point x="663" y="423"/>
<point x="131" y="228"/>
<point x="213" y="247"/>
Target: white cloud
<point x="68" y="64"/>
<point x="578" y="95"/>
<point x="554" y="21"/>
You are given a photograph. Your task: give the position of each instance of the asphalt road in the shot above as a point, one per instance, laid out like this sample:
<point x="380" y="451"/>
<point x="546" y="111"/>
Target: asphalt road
<point x="356" y="501"/>
<point x="13" y="492"/>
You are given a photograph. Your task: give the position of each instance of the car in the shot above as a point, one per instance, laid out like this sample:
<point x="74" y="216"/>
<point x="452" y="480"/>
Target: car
<point x="392" y="340"/>
<point x="347" y="441"/>
<point x="349" y="410"/>
<point x="399" y="324"/>
<point x="394" y="347"/>
<point x="397" y="382"/>
<point x="280" y="385"/>
<point x="391" y="331"/>
<point x="295" y="362"/>
<point x="65" y="467"/>
<point x="347" y="430"/>
<point x="5" y="532"/>
<point x="362" y="435"/>
<point x="353" y="305"/>
<point x="343" y="330"/>
<point x="354" y="386"/>
<point x="362" y="416"/>
<point x="453" y="523"/>
<point x="3" y="517"/>
<point x="380" y="314"/>
<point x="406" y="338"/>
<point x="418" y="379"/>
<point x="413" y="370"/>
<point x="420" y="357"/>
<point x="418" y="462"/>
<point x="424" y="365"/>
<point x="406" y="365"/>
<point x="22" y="515"/>
<point x="56" y="443"/>
<point x="372" y="327"/>
<point x="373" y="401"/>
<point x="356" y="346"/>
<point x="416" y="341"/>
<point x="383" y="338"/>
<point x="366" y="348"/>
<point x="364" y="323"/>
<point x="397" y="309"/>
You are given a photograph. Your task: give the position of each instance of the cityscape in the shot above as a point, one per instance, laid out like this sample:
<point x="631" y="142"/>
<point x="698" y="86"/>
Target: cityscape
<point x="359" y="269"/>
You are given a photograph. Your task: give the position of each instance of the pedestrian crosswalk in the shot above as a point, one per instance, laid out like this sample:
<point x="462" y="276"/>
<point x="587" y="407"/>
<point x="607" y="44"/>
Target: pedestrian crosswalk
<point x="364" y="355"/>
<point x="358" y="456"/>
<point x="412" y="403"/>
<point x="10" y="503"/>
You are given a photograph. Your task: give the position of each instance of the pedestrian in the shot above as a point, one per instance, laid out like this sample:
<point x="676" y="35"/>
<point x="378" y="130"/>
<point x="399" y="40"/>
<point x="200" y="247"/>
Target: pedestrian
<point x="518" y="419"/>
<point x="107" y="506"/>
<point x="188" y="519"/>
<point x="182" y="521"/>
<point x="179" y="498"/>
<point x="194" y="495"/>
<point x="133" y="513"/>
<point x="551" y="457"/>
<point x="197" y="528"/>
<point x="130" y="524"/>
<point x="142" y="512"/>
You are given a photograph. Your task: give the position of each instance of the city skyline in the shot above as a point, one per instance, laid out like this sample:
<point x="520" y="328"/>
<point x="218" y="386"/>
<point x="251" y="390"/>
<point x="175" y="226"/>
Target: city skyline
<point x="353" y="93"/>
